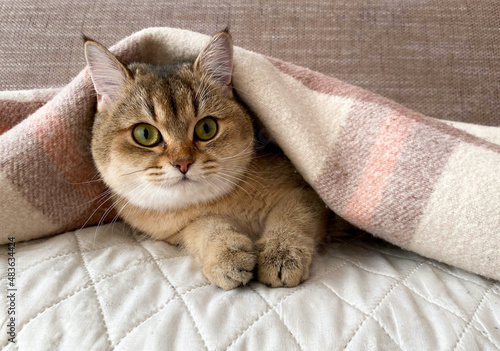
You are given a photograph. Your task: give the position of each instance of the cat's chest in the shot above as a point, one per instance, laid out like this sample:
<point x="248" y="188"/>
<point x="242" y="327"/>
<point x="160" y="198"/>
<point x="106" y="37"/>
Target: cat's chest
<point x="247" y="212"/>
<point x="249" y="216"/>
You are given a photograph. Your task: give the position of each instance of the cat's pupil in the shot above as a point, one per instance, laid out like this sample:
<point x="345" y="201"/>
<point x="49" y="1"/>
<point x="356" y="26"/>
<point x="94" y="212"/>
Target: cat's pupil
<point x="206" y="128"/>
<point x="146" y="133"/>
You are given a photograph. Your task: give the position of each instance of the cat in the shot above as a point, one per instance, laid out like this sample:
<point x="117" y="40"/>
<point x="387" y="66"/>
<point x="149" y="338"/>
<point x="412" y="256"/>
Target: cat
<point x="177" y="149"/>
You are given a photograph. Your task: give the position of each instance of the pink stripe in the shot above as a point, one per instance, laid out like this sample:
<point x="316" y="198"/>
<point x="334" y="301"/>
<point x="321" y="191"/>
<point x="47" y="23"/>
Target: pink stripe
<point x="390" y="140"/>
<point x="332" y="86"/>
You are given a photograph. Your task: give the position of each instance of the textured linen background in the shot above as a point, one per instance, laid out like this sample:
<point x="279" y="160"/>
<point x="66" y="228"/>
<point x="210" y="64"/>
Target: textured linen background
<point x="437" y="57"/>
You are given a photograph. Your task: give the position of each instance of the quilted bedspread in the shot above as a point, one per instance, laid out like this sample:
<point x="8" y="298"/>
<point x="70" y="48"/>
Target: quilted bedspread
<point x="101" y="289"/>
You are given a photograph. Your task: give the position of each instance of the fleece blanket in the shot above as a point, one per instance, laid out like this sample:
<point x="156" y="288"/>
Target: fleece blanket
<point x="412" y="180"/>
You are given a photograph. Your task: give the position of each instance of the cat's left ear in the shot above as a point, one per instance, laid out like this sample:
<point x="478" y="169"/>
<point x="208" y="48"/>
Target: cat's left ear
<point x="108" y="74"/>
<point x="216" y="60"/>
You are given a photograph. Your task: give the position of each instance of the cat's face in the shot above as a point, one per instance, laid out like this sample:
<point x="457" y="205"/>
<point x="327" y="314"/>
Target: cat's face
<point x="172" y="136"/>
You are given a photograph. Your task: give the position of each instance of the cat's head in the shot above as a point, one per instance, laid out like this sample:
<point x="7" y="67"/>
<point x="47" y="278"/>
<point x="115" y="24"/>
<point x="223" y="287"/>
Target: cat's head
<point x="170" y="136"/>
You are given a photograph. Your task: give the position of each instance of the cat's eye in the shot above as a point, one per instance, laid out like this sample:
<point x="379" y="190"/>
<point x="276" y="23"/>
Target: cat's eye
<point x="146" y="135"/>
<point x="205" y="129"/>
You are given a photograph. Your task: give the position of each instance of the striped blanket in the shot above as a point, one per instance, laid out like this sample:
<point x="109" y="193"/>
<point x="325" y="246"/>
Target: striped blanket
<point x="415" y="181"/>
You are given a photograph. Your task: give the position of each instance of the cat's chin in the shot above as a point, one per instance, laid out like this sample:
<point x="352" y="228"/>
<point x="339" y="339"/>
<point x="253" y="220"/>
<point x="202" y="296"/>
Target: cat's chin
<point x="183" y="194"/>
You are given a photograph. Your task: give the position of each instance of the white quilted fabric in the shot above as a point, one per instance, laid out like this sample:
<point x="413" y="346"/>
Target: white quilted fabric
<point x="100" y="289"/>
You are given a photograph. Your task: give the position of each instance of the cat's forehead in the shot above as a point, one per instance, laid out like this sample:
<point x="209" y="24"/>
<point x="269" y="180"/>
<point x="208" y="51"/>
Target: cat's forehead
<point x="165" y="94"/>
<point x="164" y="82"/>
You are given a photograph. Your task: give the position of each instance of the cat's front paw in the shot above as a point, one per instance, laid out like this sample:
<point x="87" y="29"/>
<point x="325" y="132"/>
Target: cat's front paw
<point x="229" y="264"/>
<point x="281" y="263"/>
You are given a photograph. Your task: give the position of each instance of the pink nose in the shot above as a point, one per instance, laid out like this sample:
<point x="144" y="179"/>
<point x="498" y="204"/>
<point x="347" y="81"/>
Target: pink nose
<point x="183" y="165"/>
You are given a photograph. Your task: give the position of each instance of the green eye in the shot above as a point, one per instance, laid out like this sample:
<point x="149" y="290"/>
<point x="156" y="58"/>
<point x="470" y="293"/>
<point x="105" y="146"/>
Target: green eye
<point x="205" y="129"/>
<point x="146" y="135"/>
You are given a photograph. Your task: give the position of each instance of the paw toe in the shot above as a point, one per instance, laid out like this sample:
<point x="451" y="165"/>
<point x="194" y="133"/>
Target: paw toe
<point x="280" y="266"/>
<point x="230" y="267"/>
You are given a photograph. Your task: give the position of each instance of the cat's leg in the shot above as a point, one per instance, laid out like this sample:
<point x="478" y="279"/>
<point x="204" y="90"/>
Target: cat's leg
<point x="226" y="256"/>
<point x="293" y="229"/>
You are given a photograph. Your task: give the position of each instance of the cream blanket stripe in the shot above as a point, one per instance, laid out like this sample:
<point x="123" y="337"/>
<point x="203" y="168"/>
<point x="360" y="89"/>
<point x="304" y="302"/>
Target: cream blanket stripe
<point x="412" y="180"/>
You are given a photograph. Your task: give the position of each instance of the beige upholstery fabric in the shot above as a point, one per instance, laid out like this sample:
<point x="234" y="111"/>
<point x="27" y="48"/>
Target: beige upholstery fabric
<point x="438" y="57"/>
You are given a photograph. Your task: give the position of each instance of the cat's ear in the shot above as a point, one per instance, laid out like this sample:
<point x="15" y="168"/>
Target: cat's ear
<point x="216" y="60"/>
<point x="108" y="74"/>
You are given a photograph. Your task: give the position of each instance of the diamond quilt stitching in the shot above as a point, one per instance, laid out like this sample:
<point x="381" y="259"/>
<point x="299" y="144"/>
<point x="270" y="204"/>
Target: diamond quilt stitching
<point x="440" y="267"/>
<point x="380" y="302"/>
<point x="467" y="327"/>
<point x="160" y="309"/>
<point x="417" y="293"/>
<point x="95" y="290"/>
<point x="470" y="329"/>
<point x="85" y="287"/>
<point x="365" y="314"/>
<point x="177" y="293"/>
<point x="435" y="264"/>
<point x="44" y="309"/>
<point x="271" y="307"/>
<point x="294" y="291"/>
<point x="353" y="263"/>
<point x="281" y="320"/>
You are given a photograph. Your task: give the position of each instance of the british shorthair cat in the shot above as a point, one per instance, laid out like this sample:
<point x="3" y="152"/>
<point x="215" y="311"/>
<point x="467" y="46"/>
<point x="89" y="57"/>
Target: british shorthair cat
<point x="177" y="150"/>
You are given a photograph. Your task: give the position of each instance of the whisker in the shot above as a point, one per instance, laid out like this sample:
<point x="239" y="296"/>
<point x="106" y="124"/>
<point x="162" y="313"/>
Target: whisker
<point x="86" y="182"/>
<point x="220" y="188"/>
<point x="248" y="179"/>
<point x="112" y="207"/>
<point x="128" y="201"/>
<point x="140" y="170"/>
<point x="236" y="184"/>
<point x="108" y="192"/>
<point x="101" y="195"/>
<point x="242" y="180"/>
<point x="227" y="194"/>
<point x="240" y="153"/>
<point x="99" y="223"/>
<point x="246" y="171"/>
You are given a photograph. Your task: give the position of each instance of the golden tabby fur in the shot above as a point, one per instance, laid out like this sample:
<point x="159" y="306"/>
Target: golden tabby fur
<point x="235" y="210"/>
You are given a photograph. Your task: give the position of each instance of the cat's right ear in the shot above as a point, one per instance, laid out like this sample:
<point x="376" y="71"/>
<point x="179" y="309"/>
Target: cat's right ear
<point x="108" y="74"/>
<point x="216" y="60"/>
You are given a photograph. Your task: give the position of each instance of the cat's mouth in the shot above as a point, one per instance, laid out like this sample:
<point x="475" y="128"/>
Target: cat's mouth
<point x="184" y="181"/>
<point x="169" y="183"/>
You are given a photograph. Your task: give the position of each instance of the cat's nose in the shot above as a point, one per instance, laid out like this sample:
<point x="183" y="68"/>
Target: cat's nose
<point x="183" y="164"/>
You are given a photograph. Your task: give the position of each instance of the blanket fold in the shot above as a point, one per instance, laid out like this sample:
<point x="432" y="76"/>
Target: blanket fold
<point x="412" y="180"/>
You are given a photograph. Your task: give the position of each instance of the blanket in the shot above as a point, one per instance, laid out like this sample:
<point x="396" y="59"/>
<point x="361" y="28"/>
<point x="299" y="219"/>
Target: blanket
<point x="102" y="288"/>
<point x="417" y="182"/>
